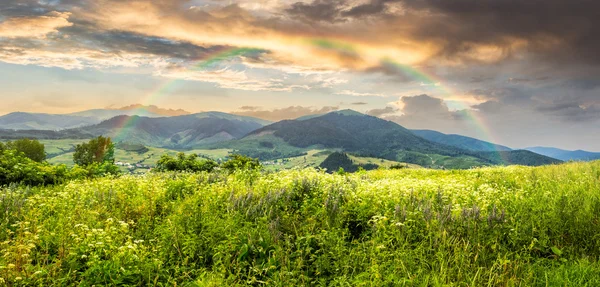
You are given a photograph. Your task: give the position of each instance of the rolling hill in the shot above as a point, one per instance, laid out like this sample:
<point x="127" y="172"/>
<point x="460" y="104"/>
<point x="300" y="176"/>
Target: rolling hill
<point x="365" y="135"/>
<point x="54" y="122"/>
<point x="35" y="121"/>
<point x="459" y="141"/>
<point x="180" y="132"/>
<point x="566" y="155"/>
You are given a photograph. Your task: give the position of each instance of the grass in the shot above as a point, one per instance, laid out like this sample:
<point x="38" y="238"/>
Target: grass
<point x="500" y="226"/>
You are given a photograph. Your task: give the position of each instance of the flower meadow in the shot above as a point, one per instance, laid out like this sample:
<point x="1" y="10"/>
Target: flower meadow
<point x="500" y="226"/>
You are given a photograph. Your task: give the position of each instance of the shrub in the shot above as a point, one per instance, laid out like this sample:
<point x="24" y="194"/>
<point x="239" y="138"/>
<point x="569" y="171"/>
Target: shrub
<point x="239" y="162"/>
<point x="190" y="163"/>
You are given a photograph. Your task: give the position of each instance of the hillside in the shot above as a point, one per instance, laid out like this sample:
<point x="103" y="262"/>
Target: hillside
<point x="39" y="121"/>
<point x="565" y="155"/>
<point x="459" y="141"/>
<point x="501" y="226"/>
<point x="365" y="135"/>
<point x="519" y="157"/>
<point x="352" y="131"/>
<point x="180" y="132"/>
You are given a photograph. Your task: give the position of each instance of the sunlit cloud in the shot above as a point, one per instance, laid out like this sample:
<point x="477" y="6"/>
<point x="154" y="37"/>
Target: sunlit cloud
<point x="34" y="26"/>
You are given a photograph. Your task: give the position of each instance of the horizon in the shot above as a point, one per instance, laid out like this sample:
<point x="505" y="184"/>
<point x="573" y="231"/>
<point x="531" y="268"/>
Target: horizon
<point x="520" y="80"/>
<point x="141" y="107"/>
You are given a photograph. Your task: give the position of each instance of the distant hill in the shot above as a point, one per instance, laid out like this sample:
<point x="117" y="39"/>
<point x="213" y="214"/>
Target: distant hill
<point x="566" y="155"/>
<point x="36" y="121"/>
<point x="518" y="157"/>
<point x="40" y="121"/>
<point x="43" y="134"/>
<point x="365" y="135"/>
<point x="352" y="131"/>
<point x="459" y="141"/>
<point x="178" y="132"/>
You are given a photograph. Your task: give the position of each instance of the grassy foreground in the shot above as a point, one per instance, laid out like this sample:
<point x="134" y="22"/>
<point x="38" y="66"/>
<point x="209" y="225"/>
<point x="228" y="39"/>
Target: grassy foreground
<point x="507" y="226"/>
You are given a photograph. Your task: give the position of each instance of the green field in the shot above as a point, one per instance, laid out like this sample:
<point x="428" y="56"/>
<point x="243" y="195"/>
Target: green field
<point x="500" y="226"/>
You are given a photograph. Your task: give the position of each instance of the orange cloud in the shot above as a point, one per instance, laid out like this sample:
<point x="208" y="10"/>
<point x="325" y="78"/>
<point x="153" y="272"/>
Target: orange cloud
<point x="34" y="26"/>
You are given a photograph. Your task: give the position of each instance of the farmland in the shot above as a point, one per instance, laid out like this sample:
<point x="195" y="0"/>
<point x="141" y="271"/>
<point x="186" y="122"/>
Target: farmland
<point x="494" y="226"/>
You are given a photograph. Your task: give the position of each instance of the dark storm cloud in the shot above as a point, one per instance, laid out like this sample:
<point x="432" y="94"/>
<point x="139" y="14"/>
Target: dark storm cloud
<point x="555" y="29"/>
<point x="318" y="10"/>
<point x="120" y="41"/>
<point x="337" y="10"/>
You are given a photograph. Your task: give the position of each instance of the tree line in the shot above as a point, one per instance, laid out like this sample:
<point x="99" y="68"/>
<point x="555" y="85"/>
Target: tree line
<point x="24" y="162"/>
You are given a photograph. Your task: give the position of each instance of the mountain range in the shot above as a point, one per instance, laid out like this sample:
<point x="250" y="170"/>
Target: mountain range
<point x="41" y="121"/>
<point x="565" y="155"/>
<point x="345" y="130"/>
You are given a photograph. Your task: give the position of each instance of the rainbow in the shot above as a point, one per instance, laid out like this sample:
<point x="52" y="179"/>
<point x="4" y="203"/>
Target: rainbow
<point x="429" y="79"/>
<point x="334" y="45"/>
<point x="168" y="86"/>
<point x="422" y="77"/>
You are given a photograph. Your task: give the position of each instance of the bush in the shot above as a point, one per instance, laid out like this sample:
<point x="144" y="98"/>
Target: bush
<point x="238" y="162"/>
<point x="15" y="167"/>
<point x="191" y="163"/>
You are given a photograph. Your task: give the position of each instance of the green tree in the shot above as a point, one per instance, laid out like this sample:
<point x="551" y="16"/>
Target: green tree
<point x="191" y="163"/>
<point x="238" y="161"/>
<point x="98" y="150"/>
<point x="32" y="149"/>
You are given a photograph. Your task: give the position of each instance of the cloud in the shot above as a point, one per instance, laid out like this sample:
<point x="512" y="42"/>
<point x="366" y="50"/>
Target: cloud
<point x="359" y="103"/>
<point x="426" y="112"/>
<point x="291" y="112"/>
<point x="34" y="26"/>
<point x="359" y="94"/>
<point x="318" y="10"/>
<point x="381" y="112"/>
<point x="424" y="106"/>
<point x="553" y="29"/>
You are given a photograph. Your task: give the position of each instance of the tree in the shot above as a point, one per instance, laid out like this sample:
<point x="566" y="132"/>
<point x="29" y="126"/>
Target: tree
<point x="98" y="150"/>
<point x="32" y="149"/>
<point x="191" y="163"/>
<point x="238" y="161"/>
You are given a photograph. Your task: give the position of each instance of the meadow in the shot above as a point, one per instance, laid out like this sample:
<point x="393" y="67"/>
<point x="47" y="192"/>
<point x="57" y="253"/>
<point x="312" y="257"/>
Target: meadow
<point x="493" y="226"/>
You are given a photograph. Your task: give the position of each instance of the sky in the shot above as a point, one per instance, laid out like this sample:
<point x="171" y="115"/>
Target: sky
<point x="518" y="73"/>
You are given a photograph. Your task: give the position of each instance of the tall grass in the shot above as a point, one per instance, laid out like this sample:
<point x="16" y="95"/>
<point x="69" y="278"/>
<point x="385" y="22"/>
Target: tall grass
<point x="506" y="226"/>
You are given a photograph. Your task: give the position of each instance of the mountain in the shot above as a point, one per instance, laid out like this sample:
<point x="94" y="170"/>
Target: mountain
<point x="178" y="132"/>
<point x="518" y="157"/>
<point x="37" y="121"/>
<point x="41" y="121"/>
<point x="364" y="135"/>
<point x="351" y="131"/>
<point x="459" y="141"/>
<point x="565" y="155"/>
